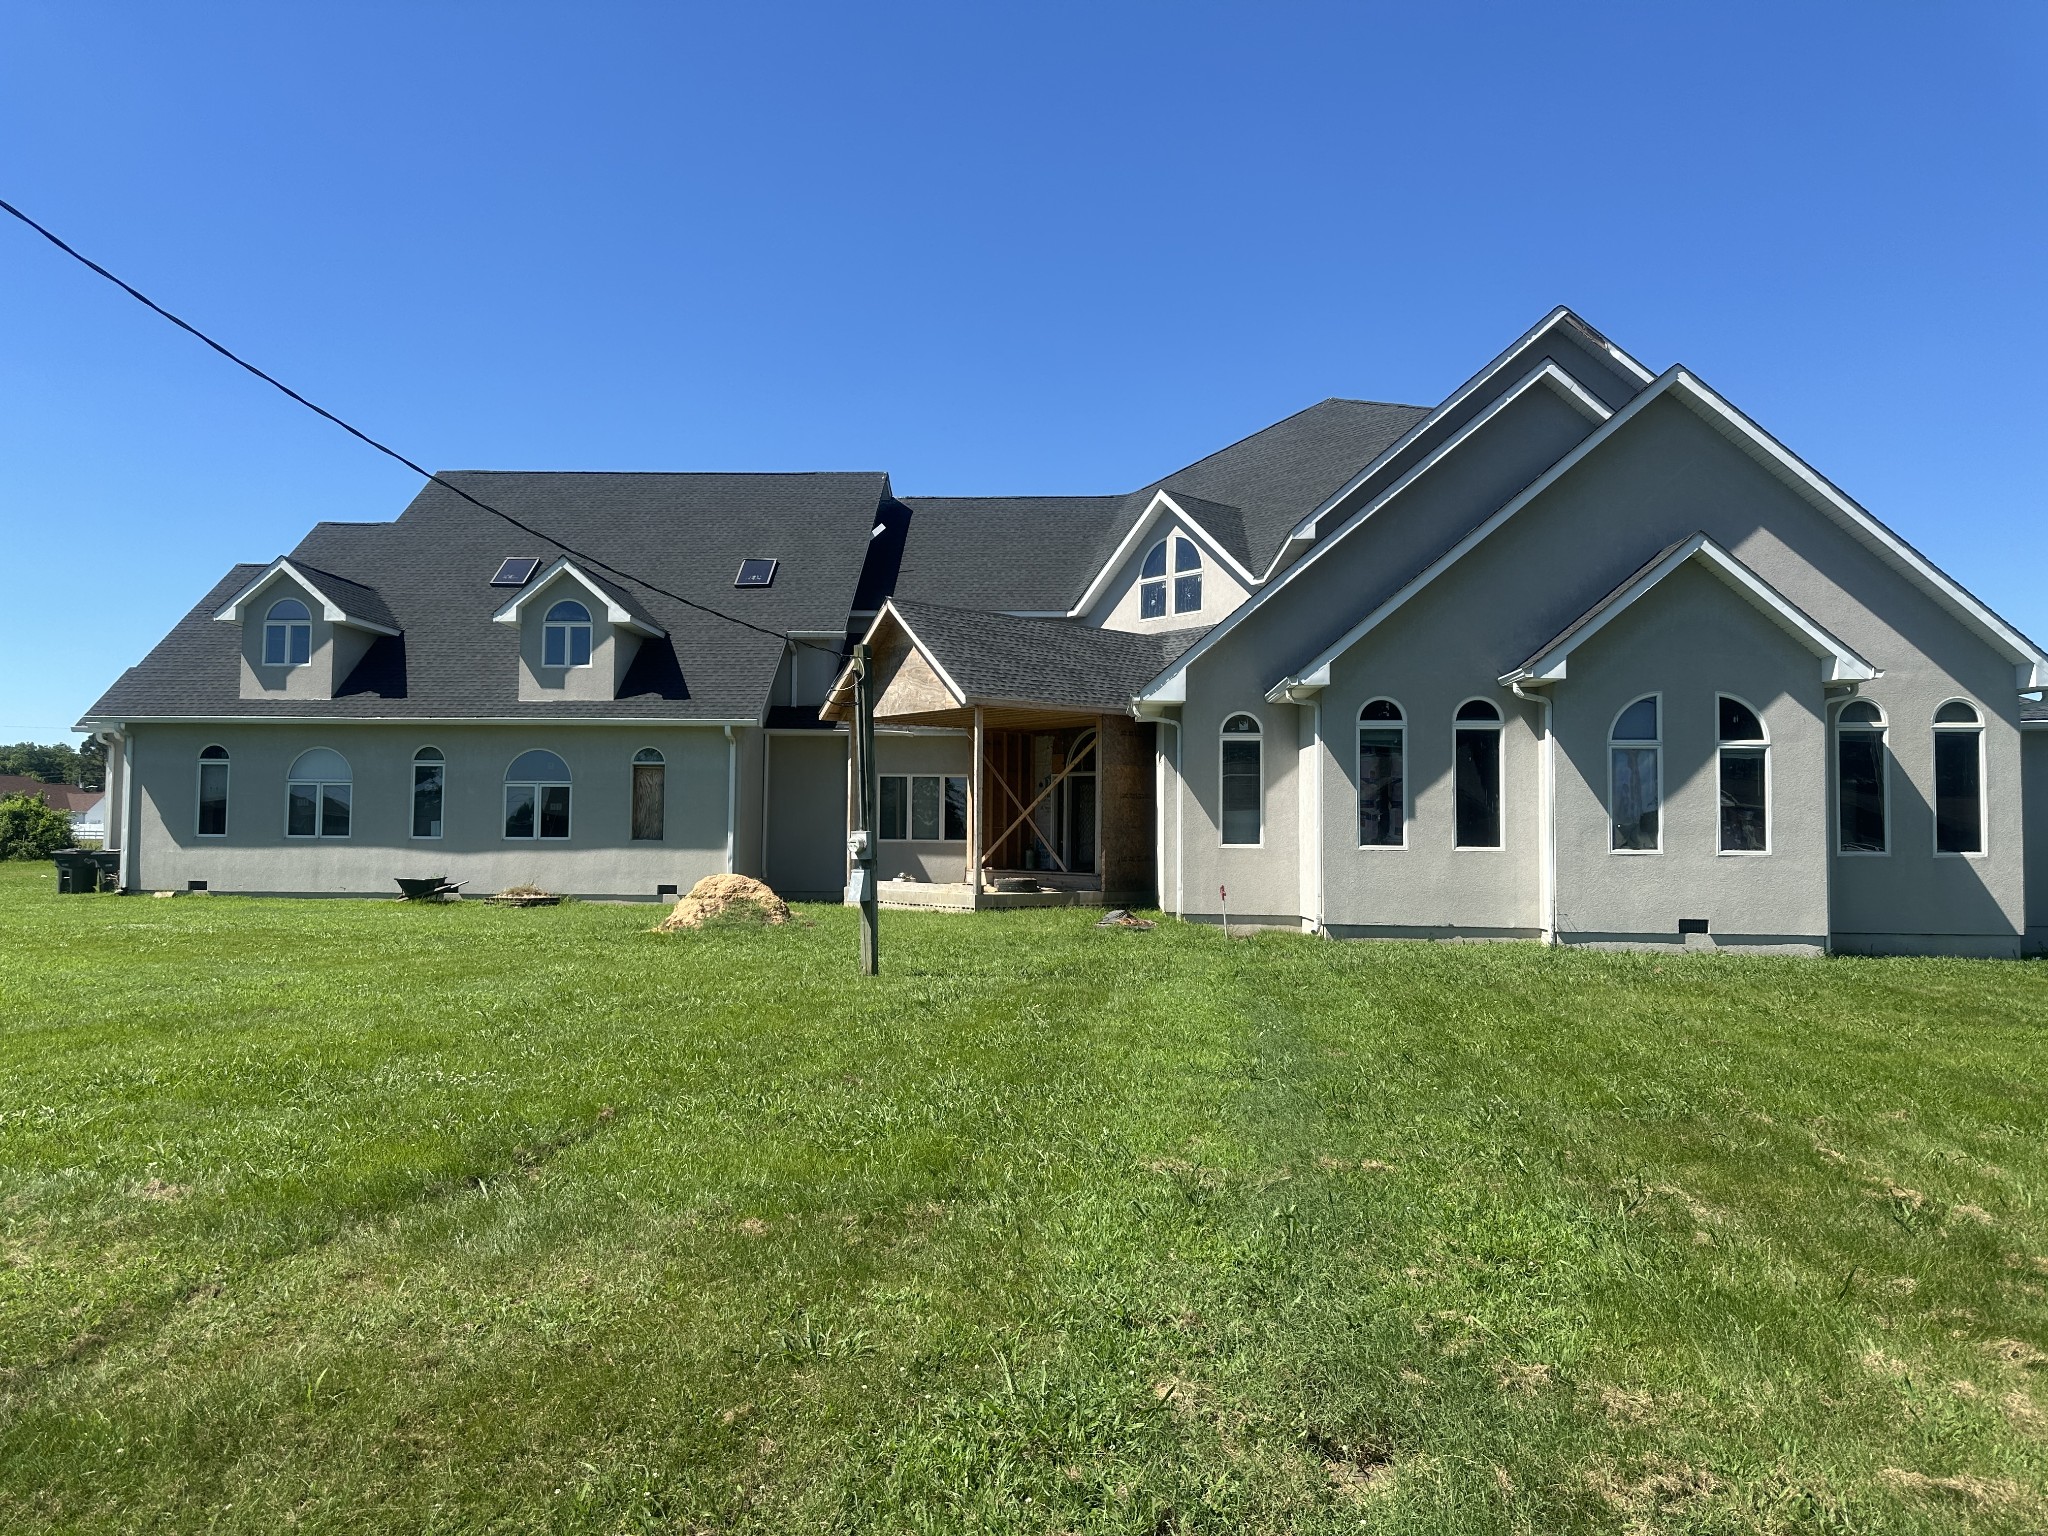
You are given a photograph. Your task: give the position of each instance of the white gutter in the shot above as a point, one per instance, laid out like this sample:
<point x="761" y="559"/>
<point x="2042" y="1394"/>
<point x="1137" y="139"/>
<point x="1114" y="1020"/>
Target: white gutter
<point x="732" y="791"/>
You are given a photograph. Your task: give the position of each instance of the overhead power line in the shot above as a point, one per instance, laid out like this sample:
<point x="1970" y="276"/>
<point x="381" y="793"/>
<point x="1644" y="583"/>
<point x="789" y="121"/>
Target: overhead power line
<point x="392" y="453"/>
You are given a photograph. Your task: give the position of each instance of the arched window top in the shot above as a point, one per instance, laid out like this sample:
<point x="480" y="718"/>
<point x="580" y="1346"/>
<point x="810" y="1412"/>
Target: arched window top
<point x="1155" y="560"/>
<point x="427" y="755"/>
<point x="213" y="754"/>
<point x="1861" y="712"/>
<point x="1478" y="711"/>
<point x="287" y="608"/>
<point x="1956" y="712"/>
<point x="1738" y="722"/>
<point x="1638" y="722"/>
<point x="648" y="755"/>
<point x="537" y="767"/>
<point x="1240" y="725"/>
<point x="568" y="611"/>
<point x="1381" y="709"/>
<point x="320" y="765"/>
<point x="1185" y="556"/>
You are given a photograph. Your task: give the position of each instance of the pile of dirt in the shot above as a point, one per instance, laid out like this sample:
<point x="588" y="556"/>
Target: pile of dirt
<point x="722" y="896"/>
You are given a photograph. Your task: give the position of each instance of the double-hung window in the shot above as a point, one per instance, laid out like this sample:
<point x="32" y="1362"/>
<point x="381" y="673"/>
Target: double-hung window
<point x="923" y="807"/>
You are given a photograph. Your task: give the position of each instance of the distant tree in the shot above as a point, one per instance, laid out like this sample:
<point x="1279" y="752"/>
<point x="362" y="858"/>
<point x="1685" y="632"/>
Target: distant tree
<point x="57" y="762"/>
<point x="31" y="829"/>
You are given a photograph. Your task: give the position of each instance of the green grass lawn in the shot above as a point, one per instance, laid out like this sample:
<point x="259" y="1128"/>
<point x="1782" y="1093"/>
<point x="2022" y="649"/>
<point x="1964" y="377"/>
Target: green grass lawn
<point x="326" y="1216"/>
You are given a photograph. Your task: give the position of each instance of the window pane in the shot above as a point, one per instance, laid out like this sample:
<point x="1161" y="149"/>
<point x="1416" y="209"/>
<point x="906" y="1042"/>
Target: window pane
<point x="1241" y="792"/>
<point x="1958" y="816"/>
<point x="554" y="810"/>
<point x="519" y="810"/>
<point x="579" y="646"/>
<point x="1151" y="599"/>
<point x="1859" y="760"/>
<point x="426" y="800"/>
<point x="1955" y="712"/>
<point x="1382" y="788"/>
<point x="554" y="647"/>
<point x="302" y="810"/>
<point x="334" y="810"/>
<point x="273" y="645"/>
<point x="302" y="644"/>
<point x="1187" y="593"/>
<point x="1478" y="772"/>
<point x="1155" y="560"/>
<point x="895" y="815"/>
<point x="1742" y="799"/>
<point x="1739" y="721"/>
<point x="649" y="795"/>
<point x="213" y="799"/>
<point x="1635" y="797"/>
<point x="1638" y="722"/>
<point x="924" y="809"/>
<point x="956" y="810"/>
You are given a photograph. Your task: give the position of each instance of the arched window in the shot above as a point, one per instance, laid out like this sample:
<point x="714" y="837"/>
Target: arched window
<point x="317" y="794"/>
<point x="649" y="795"/>
<point x="1187" y="576"/>
<point x="1745" y="778"/>
<point x="1382" y="776"/>
<point x="1634" y="757"/>
<point x="537" y="796"/>
<point x="1152" y="582"/>
<point x="1475" y="753"/>
<point x="1958" y="779"/>
<point x="287" y="634"/>
<point x="1861" y="770"/>
<point x="429" y="791"/>
<point x="1243" y="782"/>
<point x="565" y="635"/>
<point x="213" y="792"/>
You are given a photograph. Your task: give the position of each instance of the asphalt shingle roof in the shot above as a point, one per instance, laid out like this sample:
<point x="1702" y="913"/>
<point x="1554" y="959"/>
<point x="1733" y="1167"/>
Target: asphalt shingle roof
<point x="1029" y="553"/>
<point x="1058" y="662"/>
<point x="354" y="599"/>
<point x="432" y="568"/>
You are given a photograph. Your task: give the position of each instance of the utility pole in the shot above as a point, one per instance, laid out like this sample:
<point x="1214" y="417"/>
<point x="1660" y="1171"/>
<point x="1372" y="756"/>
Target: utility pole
<point x="862" y="843"/>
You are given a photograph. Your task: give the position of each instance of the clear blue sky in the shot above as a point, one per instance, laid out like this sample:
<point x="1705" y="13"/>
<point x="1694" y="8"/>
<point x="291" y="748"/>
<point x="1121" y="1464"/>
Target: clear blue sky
<point x="1055" y="249"/>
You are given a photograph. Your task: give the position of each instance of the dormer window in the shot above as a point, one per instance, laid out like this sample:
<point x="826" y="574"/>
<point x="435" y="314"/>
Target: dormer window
<point x="287" y="634"/>
<point x="565" y="636"/>
<point x="1187" y="579"/>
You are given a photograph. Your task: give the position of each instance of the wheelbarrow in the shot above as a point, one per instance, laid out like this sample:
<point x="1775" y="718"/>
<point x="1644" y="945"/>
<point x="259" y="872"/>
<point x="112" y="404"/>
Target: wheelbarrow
<point x="433" y="888"/>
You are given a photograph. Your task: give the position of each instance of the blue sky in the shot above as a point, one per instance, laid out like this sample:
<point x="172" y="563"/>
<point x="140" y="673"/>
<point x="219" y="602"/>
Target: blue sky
<point x="1050" y="248"/>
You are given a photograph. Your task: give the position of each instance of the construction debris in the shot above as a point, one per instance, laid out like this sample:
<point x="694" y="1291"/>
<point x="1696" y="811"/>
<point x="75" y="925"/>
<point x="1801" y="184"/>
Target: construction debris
<point x="718" y="896"/>
<point x="1122" y="918"/>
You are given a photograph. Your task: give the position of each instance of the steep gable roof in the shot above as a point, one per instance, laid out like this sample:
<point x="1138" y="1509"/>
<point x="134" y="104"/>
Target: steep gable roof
<point x="1005" y="553"/>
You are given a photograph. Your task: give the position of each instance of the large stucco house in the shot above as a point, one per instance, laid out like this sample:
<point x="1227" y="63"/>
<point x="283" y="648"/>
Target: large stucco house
<point x="1580" y="654"/>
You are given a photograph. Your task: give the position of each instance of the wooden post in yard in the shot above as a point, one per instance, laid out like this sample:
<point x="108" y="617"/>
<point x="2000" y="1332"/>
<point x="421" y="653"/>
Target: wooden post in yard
<point x="864" y="802"/>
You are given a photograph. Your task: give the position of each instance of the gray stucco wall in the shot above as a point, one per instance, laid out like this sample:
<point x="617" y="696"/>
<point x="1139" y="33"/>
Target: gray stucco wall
<point x="806" y="821"/>
<point x="597" y="859"/>
<point x="924" y="753"/>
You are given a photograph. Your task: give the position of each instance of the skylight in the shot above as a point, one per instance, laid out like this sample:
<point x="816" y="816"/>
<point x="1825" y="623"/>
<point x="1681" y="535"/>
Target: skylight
<point x="515" y="572"/>
<point x="755" y="573"/>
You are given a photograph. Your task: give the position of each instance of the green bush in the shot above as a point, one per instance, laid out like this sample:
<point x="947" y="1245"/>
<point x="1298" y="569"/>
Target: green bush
<point x="31" y="829"/>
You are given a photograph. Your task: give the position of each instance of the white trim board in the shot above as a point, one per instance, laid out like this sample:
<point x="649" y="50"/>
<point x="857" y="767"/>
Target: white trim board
<point x="330" y="610"/>
<point x="1840" y="663"/>
<point x="1170" y="686"/>
<point x="889" y="610"/>
<point x="1162" y="502"/>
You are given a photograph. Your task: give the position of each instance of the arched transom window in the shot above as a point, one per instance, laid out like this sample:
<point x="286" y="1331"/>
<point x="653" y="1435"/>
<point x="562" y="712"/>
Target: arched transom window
<point x="537" y="796"/>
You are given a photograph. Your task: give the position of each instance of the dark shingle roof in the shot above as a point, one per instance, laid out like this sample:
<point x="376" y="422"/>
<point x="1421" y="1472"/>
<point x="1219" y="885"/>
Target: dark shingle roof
<point x="354" y="599"/>
<point x="1058" y="662"/>
<point x="2029" y="710"/>
<point x="432" y="569"/>
<point x="1031" y="553"/>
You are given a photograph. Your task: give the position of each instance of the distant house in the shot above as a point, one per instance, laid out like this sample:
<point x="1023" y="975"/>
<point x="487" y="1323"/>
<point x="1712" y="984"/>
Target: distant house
<point x="85" y="807"/>
<point x="1578" y="654"/>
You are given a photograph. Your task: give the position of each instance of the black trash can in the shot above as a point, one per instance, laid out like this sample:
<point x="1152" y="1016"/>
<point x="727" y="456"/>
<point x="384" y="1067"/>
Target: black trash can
<point x="106" y="863"/>
<point x="76" y="872"/>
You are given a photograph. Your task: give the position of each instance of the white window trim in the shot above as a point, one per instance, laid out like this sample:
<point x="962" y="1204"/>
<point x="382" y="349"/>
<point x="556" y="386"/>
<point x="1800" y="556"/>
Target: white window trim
<point x="412" y="804"/>
<point x="1883" y="731"/>
<point x="549" y="626"/>
<point x="320" y="834"/>
<point x="1360" y="723"/>
<point x="1499" y="726"/>
<point x="1983" y="780"/>
<point x="1720" y="746"/>
<point x="1224" y="738"/>
<point x="1662" y="796"/>
<point x="227" y="794"/>
<point x="285" y="627"/>
<point x="907" y="793"/>
<point x="536" y="785"/>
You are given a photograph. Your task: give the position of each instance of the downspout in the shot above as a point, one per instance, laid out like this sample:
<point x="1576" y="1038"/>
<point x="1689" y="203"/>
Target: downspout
<point x="1321" y="928"/>
<point x="128" y="810"/>
<point x="732" y="791"/>
<point x="1546" y="792"/>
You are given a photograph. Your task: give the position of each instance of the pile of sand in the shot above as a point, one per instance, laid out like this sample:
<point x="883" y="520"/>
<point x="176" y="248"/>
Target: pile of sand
<point x="720" y="895"/>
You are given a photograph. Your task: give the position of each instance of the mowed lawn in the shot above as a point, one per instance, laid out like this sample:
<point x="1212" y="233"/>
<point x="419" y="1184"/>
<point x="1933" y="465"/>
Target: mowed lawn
<point x="354" y="1216"/>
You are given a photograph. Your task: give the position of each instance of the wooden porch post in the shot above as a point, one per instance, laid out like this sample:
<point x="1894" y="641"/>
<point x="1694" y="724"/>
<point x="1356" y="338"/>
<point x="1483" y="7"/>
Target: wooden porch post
<point x="974" y="815"/>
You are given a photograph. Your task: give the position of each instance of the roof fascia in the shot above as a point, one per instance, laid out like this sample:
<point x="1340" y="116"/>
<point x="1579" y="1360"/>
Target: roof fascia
<point x="1546" y="373"/>
<point x="890" y="612"/>
<point x="1162" y="502"/>
<point x="330" y="610"/>
<point x="2030" y="661"/>
<point x="615" y="612"/>
<point x="1843" y="665"/>
<point x="1463" y="392"/>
